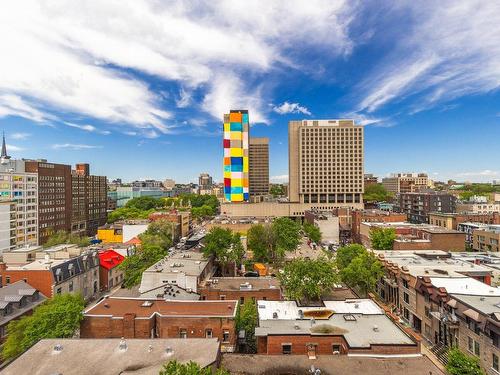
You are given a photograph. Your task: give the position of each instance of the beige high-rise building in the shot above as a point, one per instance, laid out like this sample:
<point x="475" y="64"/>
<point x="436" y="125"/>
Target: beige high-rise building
<point x="258" y="166"/>
<point x="406" y="182"/>
<point x="326" y="163"/>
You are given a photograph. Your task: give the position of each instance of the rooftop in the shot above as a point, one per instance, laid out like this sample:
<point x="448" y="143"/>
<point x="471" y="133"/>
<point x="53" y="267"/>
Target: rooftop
<point x="465" y="285"/>
<point x="405" y="225"/>
<point x="104" y="356"/>
<point x="110" y="259"/>
<point x="144" y="308"/>
<point x="360" y="321"/>
<point x="485" y="304"/>
<point x="243" y="283"/>
<point x="14" y="293"/>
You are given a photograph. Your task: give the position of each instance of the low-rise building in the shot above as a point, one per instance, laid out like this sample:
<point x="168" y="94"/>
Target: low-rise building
<point x="111" y="233"/>
<point x="241" y="289"/>
<point x="406" y="182"/>
<point x="182" y="219"/>
<point x="372" y="216"/>
<point x="186" y="269"/>
<point x="112" y="356"/>
<point x="486" y="239"/>
<point x="453" y="220"/>
<point x="110" y="275"/>
<point x="151" y="318"/>
<point x="352" y="327"/>
<point x="416" y="236"/>
<point x="16" y="300"/>
<point x="56" y="274"/>
<point x="479" y="207"/>
<point x="469" y="228"/>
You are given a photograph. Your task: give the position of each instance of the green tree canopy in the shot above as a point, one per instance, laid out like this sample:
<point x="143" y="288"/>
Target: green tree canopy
<point x="246" y="319"/>
<point x="313" y="232"/>
<point x="382" y="238"/>
<point x="58" y="317"/>
<point x="462" y="364"/>
<point x="159" y="233"/>
<point x="62" y="237"/>
<point x="128" y="213"/>
<point x="260" y="239"/>
<point x="362" y="272"/>
<point x="145" y="256"/>
<point x="277" y="190"/>
<point x="224" y="245"/>
<point x="346" y="254"/>
<point x="376" y="193"/>
<point x="308" y="278"/>
<point x="191" y="368"/>
<point x="145" y="203"/>
<point x="286" y="234"/>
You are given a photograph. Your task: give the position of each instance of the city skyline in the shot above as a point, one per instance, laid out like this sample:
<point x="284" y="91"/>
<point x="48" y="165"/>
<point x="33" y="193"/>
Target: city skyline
<point x="142" y="110"/>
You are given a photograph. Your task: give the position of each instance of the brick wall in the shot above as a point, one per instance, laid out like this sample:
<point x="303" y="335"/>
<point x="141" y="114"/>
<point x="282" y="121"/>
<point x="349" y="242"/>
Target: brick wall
<point x="38" y="279"/>
<point x="241" y="295"/>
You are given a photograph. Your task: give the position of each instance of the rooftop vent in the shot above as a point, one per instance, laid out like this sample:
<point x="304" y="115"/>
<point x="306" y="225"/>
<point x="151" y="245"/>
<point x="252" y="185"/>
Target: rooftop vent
<point x="169" y="351"/>
<point x="296" y="326"/>
<point x="301" y="314"/>
<point x="147" y="304"/>
<point x="275" y="315"/>
<point x="375" y="328"/>
<point x="150" y="348"/>
<point x="123" y="345"/>
<point x="58" y="348"/>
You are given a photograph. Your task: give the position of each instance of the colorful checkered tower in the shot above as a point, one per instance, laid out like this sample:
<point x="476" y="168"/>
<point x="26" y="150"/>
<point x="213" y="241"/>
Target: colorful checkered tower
<point x="236" y="128"/>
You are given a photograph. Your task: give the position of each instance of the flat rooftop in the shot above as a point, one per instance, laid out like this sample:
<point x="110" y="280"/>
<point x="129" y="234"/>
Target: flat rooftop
<point x="104" y="356"/>
<point x="188" y="262"/>
<point x="405" y="225"/>
<point x="242" y="283"/>
<point x="144" y="308"/>
<point x="484" y="304"/>
<point x="417" y="264"/>
<point x="465" y="285"/>
<point x="361" y="322"/>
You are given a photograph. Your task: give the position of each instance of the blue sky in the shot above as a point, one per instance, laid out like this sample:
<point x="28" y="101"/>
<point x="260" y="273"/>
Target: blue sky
<point x="138" y="88"/>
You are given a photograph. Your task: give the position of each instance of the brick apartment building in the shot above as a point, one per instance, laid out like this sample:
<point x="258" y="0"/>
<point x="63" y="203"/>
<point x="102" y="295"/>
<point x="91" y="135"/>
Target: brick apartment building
<point x="241" y="289"/>
<point x="418" y="206"/>
<point x="453" y="220"/>
<point x="52" y="273"/>
<point x="417" y="236"/>
<point x="181" y="218"/>
<point x="54" y="197"/>
<point x="372" y="216"/>
<point x="486" y="238"/>
<point x="151" y="318"/>
<point x="109" y="273"/>
<point x="350" y="327"/>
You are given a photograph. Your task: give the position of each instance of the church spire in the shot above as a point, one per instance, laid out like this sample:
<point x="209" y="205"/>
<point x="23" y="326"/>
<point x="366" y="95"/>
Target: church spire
<point x="4" y="155"/>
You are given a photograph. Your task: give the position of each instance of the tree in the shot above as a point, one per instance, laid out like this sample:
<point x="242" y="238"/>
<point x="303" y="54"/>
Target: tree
<point x="277" y="190"/>
<point x="376" y="193"/>
<point x="202" y="212"/>
<point x="224" y="245"/>
<point x="346" y="254"/>
<point x="191" y="368"/>
<point x="145" y="203"/>
<point x="260" y="240"/>
<point x="308" y="278"/>
<point x="286" y="235"/>
<point x="313" y="232"/>
<point x="382" y="238"/>
<point x="462" y="364"/>
<point x="58" y="317"/>
<point x="62" y="237"/>
<point x="246" y="319"/>
<point x="159" y="233"/>
<point x="126" y="213"/>
<point x="363" y="272"/>
<point x="145" y="256"/>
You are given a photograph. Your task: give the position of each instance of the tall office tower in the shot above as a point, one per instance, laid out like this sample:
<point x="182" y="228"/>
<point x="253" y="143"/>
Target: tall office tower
<point x="326" y="162"/>
<point x="22" y="188"/>
<point x="236" y="137"/>
<point x="54" y="197"/>
<point x="259" y="166"/>
<point x="205" y="181"/>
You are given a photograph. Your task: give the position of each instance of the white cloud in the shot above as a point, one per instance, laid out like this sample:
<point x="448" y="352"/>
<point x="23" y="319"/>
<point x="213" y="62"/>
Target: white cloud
<point x="286" y="107"/>
<point x="451" y="50"/>
<point x="279" y="178"/>
<point x="72" y="146"/>
<point x="483" y="173"/>
<point x="363" y="119"/>
<point x="62" y="55"/>
<point x="184" y="99"/>
<point x="19" y="136"/>
<point x="88" y="128"/>
<point x="14" y="105"/>
<point x="13" y="148"/>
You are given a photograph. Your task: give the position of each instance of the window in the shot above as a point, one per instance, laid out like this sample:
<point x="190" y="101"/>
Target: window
<point x="222" y="297"/>
<point x="71" y="286"/>
<point x="336" y="349"/>
<point x="208" y="333"/>
<point x="225" y="335"/>
<point x="406" y="313"/>
<point x="242" y="300"/>
<point x="286" y="348"/>
<point x="476" y="349"/>
<point x="427" y="312"/>
<point x="183" y="333"/>
<point x="58" y="291"/>
<point x="405" y="283"/>
<point x="406" y="297"/>
<point x="494" y="363"/>
<point x="7" y="279"/>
